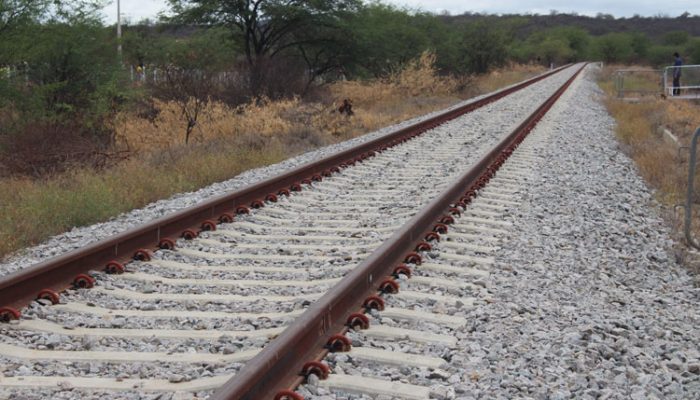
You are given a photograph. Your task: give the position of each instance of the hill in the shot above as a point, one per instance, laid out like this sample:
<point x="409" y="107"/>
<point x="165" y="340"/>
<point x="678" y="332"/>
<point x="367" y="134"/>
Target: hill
<point x="525" y="25"/>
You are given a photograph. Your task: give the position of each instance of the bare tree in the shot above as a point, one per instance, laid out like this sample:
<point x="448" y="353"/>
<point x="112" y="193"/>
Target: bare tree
<point x="191" y="89"/>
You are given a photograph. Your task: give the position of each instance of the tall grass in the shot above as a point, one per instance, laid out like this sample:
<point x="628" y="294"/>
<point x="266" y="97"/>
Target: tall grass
<point x="226" y="142"/>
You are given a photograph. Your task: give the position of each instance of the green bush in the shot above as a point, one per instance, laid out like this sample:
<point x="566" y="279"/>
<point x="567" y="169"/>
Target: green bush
<point x="693" y="51"/>
<point x="661" y="56"/>
<point x="676" y="38"/>
<point x="483" y="46"/>
<point x="613" y="48"/>
<point x="68" y="87"/>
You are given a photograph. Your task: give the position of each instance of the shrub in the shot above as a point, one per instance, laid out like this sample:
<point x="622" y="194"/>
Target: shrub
<point x="41" y="148"/>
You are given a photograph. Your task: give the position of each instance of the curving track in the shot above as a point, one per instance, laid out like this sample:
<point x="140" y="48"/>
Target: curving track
<point x="183" y="321"/>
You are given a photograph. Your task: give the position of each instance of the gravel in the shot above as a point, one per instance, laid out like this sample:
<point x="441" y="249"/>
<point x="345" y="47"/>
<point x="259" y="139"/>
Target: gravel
<point x="585" y="301"/>
<point x="588" y="299"/>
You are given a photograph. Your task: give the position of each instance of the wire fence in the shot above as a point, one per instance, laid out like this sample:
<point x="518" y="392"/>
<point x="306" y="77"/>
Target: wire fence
<point x="638" y="82"/>
<point x="156" y="75"/>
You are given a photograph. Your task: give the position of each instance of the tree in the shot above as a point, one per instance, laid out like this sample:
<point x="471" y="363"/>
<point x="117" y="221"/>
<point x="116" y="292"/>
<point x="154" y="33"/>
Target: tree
<point x="640" y="45"/>
<point x="483" y="46"/>
<point x="694" y="51"/>
<point x="578" y="41"/>
<point x="192" y="76"/>
<point x="265" y="27"/>
<point x="326" y="51"/>
<point x="613" y="47"/>
<point x="384" y="37"/>
<point x="555" y="50"/>
<point x="14" y="13"/>
<point x="14" y="16"/>
<point x="63" y="101"/>
<point x="660" y="56"/>
<point x="676" y="38"/>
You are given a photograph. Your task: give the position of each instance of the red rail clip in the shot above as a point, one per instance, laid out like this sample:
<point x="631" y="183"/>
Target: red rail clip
<point x="114" y="267"/>
<point x="8" y="314"/>
<point x="189" y="234"/>
<point x="389" y="285"/>
<point x="83" y="281"/>
<point x="48" y="294"/>
<point x="413" y="258"/>
<point x="358" y="321"/>
<point x="316" y="368"/>
<point x="374" y="303"/>
<point x="226" y="218"/>
<point x="166" y="244"/>
<point x="402" y="269"/>
<point x="339" y="343"/>
<point x="142" y="255"/>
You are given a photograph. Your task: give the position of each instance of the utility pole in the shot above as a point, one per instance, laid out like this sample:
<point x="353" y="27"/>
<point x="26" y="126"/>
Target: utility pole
<point x="119" y="29"/>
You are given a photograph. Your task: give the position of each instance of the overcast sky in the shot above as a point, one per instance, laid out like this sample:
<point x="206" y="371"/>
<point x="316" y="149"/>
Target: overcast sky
<point x="136" y="10"/>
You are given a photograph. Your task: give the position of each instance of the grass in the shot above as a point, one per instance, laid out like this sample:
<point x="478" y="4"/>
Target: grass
<point x="226" y="143"/>
<point x="33" y="210"/>
<point x="639" y="130"/>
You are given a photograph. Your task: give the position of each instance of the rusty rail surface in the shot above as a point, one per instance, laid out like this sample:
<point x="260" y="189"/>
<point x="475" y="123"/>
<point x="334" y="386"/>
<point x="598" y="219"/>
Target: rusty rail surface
<point x="21" y="287"/>
<point x="279" y="365"/>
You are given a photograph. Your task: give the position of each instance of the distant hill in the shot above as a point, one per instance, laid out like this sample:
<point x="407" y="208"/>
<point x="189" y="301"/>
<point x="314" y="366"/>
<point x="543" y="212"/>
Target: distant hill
<point x="654" y="27"/>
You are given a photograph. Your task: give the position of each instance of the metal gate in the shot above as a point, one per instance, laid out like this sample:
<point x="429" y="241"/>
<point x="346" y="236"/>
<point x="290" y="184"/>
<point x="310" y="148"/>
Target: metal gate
<point x="689" y="82"/>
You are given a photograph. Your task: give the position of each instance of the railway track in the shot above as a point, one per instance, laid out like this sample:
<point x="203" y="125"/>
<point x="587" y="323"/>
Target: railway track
<point x="298" y="259"/>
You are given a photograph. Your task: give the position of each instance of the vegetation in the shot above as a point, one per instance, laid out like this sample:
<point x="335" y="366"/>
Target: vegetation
<point x="87" y="132"/>
<point x="224" y="144"/>
<point x="662" y="163"/>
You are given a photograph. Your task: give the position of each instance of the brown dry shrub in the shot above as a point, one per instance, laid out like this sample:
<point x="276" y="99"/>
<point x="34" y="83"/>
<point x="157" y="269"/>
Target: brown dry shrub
<point x="416" y="89"/>
<point x="44" y="148"/>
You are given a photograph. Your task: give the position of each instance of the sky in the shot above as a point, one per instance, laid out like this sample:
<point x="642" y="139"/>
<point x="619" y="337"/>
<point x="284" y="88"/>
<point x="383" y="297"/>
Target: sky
<point x="136" y="10"/>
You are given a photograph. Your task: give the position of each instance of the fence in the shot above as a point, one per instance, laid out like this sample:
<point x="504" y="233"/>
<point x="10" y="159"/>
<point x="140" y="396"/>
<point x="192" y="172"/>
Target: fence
<point x="154" y="75"/>
<point x="689" y="82"/>
<point x="638" y="82"/>
<point x="13" y="72"/>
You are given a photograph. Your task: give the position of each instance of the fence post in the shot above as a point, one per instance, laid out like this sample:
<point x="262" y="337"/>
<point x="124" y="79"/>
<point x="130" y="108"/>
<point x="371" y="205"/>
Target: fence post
<point x="689" y="198"/>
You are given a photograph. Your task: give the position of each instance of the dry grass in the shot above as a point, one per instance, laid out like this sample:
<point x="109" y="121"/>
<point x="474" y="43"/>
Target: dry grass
<point x="225" y="143"/>
<point x="414" y="90"/>
<point x="639" y="129"/>
<point x="33" y="210"/>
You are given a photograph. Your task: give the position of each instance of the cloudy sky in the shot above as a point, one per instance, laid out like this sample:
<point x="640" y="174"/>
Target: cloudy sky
<point x="136" y="10"/>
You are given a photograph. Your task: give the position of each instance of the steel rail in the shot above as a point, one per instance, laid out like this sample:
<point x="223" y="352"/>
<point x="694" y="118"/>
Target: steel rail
<point x="21" y="287"/>
<point x="278" y="366"/>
